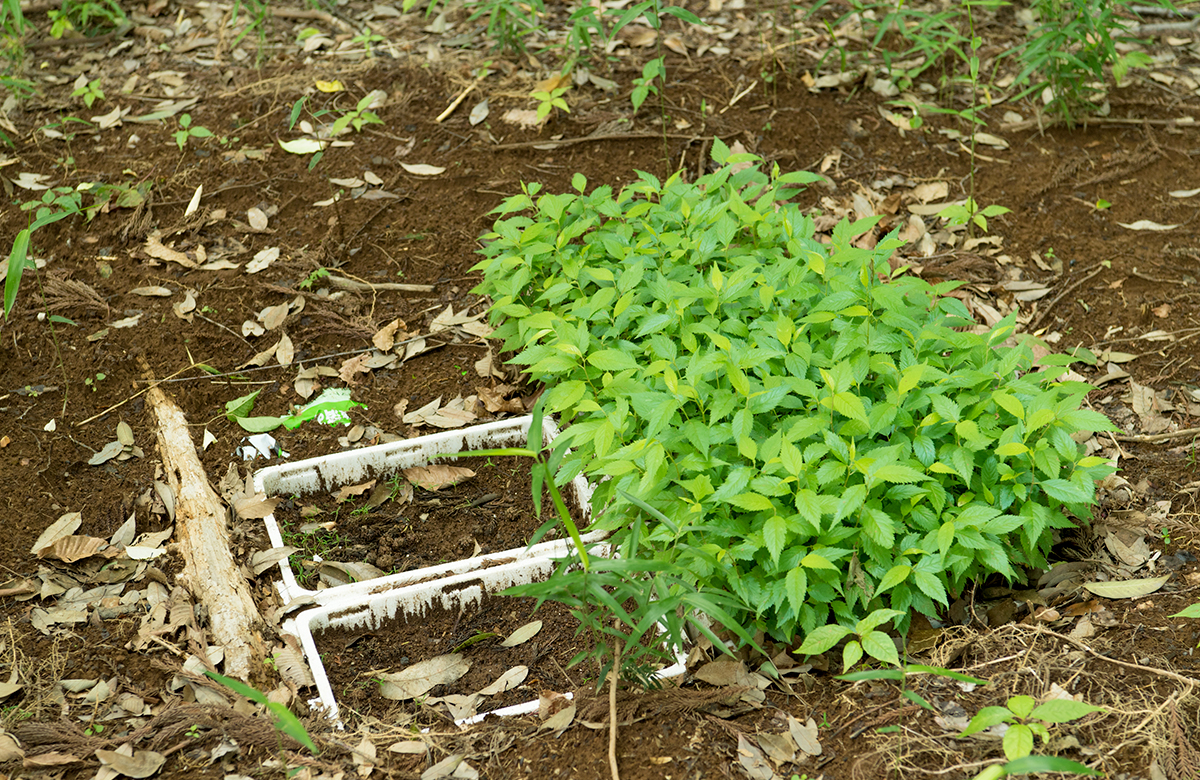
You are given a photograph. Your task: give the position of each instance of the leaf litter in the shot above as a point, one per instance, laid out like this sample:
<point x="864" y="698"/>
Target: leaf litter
<point x="1151" y="411"/>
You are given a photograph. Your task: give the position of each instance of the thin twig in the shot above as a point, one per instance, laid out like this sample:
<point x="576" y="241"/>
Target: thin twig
<point x="1153" y="437"/>
<point x="1033" y="326"/>
<point x="461" y="97"/>
<point x="1190" y="682"/>
<point x="350" y="284"/>
<point x="584" y="139"/>
<point x="130" y="398"/>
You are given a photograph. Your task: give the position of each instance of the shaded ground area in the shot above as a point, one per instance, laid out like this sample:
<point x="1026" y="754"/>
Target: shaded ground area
<point x="359" y="266"/>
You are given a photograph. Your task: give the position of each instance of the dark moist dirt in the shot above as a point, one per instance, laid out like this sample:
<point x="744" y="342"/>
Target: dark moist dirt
<point x="1110" y="287"/>
<point x="355" y="658"/>
<point x="490" y="512"/>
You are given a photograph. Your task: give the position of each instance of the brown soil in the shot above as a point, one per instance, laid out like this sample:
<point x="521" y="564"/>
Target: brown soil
<point x="356" y="658"/>
<point x="1128" y="295"/>
<point x="489" y="512"/>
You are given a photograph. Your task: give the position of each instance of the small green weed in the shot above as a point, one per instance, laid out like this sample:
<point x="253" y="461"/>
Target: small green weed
<point x="550" y="100"/>
<point x="653" y="73"/>
<point x="318" y="274"/>
<point x="357" y="118"/>
<point x="971" y="214"/>
<point x="188" y="130"/>
<point x="598" y="590"/>
<point x="367" y="38"/>
<point x="88" y="17"/>
<point x="92" y="383"/>
<point x="1070" y="46"/>
<point x="1027" y="719"/>
<point x="509" y="22"/>
<point x="90" y="91"/>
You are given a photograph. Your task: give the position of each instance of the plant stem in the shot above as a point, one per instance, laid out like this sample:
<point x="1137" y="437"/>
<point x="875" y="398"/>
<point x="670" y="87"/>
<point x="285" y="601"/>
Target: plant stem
<point x="612" y="711"/>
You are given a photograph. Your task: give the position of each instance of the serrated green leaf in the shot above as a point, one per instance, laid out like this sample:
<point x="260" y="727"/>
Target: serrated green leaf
<point x="852" y="653"/>
<point x="894" y="576"/>
<point x="775" y="533"/>
<point x="879" y="646"/>
<point x="895" y="472"/>
<point x="612" y="360"/>
<point x="1011" y="448"/>
<point x="820" y="640"/>
<point x="1010" y="404"/>
<point x="751" y="502"/>
<point x="814" y="561"/>
<point x="796" y="587"/>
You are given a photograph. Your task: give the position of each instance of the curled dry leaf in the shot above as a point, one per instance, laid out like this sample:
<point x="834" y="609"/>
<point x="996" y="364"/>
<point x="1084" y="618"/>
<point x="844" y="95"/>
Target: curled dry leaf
<point x="753" y="760"/>
<point x="284" y="351"/>
<point x="805" y="735"/>
<point x="255" y="507"/>
<point x="495" y="401"/>
<point x="142" y="763"/>
<point x="421" y="169"/>
<point x="526" y="118"/>
<point x="62" y="527"/>
<point x="409" y="747"/>
<point x="9" y="749"/>
<point x="257" y="219"/>
<point x="184" y="309"/>
<point x="479" y="112"/>
<point x="352" y="367"/>
<point x="292" y="668"/>
<point x="273" y="316"/>
<point x="436" y="476"/>
<point x="262" y="259"/>
<point x="75" y="548"/>
<point x="347" y="491"/>
<point x="1145" y="224"/>
<point x="385" y="337"/>
<point x="155" y="248"/>
<point x="507" y="681"/>
<point x="336" y="573"/>
<point x="151" y="292"/>
<point x="422" y="677"/>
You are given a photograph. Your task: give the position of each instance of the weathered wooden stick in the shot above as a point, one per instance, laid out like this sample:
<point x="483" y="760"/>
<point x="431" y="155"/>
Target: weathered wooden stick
<point x="201" y="531"/>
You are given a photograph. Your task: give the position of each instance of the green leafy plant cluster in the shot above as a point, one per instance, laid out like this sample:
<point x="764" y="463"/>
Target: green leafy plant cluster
<point x="89" y="17"/>
<point x="1027" y="719"/>
<point x="826" y="437"/>
<point x="1067" y="49"/>
<point x="1071" y="44"/>
<point x="58" y="203"/>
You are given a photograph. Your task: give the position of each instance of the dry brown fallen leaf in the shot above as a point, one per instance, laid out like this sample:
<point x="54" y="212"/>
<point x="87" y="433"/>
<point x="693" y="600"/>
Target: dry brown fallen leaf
<point x="495" y="399"/>
<point x="422" y="677"/>
<point x="437" y="476"/>
<point x="346" y="491"/>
